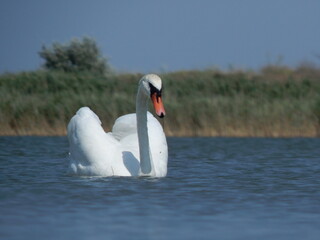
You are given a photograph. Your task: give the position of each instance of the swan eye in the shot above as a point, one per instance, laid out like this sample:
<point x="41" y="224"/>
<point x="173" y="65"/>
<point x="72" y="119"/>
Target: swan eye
<point x="153" y="90"/>
<point x="155" y="95"/>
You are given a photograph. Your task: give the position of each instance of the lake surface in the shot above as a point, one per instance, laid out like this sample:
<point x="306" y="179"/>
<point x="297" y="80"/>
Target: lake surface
<point x="216" y="188"/>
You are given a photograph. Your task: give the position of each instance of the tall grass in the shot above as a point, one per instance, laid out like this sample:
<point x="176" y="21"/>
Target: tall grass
<point x="277" y="101"/>
<point x="273" y="102"/>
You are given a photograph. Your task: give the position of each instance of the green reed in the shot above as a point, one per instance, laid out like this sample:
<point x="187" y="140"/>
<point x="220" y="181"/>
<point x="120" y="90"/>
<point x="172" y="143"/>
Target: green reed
<point x="276" y="101"/>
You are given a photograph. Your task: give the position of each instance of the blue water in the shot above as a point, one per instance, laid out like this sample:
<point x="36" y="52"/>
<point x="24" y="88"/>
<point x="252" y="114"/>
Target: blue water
<point x="216" y="188"/>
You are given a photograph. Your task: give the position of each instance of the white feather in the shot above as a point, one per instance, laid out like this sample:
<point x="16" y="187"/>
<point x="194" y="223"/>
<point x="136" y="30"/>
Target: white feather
<point x="93" y="152"/>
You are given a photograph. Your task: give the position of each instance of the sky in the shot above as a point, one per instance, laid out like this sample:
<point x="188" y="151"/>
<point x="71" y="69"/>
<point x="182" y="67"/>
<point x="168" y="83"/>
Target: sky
<point x="167" y="35"/>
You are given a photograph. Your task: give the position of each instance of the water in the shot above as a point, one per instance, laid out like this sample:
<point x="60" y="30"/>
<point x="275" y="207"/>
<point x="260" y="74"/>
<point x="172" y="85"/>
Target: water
<point x="216" y="188"/>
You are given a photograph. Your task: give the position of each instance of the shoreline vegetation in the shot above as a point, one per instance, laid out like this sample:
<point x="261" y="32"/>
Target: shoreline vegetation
<point x="276" y="101"/>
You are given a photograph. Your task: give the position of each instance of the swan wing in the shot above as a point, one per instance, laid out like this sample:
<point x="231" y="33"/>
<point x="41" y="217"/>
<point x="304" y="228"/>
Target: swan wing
<point x="91" y="149"/>
<point x="124" y="126"/>
<point x="125" y="131"/>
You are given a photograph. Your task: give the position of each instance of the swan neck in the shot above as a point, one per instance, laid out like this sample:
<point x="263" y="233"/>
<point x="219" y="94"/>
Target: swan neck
<point x="146" y="165"/>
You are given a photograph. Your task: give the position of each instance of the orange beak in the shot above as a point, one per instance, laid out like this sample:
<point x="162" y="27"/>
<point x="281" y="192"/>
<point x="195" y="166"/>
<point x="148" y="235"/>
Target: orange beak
<point x="158" y="106"/>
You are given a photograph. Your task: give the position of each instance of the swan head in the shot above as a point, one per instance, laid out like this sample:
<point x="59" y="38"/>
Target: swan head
<point x="152" y="86"/>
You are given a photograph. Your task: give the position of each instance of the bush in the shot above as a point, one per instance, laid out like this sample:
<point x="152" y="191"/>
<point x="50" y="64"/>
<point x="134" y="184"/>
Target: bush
<point x="78" y="55"/>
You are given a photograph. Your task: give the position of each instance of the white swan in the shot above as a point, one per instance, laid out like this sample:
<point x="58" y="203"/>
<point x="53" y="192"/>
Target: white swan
<point x="136" y="146"/>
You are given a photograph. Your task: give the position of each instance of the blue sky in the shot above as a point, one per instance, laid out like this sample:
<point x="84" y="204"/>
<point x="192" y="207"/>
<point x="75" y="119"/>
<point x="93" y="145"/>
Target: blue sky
<point x="167" y="35"/>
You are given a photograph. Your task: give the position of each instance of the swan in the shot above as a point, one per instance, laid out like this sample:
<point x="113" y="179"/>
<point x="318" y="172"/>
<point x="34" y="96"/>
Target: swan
<point x="136" y="146"/>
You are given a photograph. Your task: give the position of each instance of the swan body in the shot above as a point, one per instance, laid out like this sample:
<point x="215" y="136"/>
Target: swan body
<point x="136" y="146"/>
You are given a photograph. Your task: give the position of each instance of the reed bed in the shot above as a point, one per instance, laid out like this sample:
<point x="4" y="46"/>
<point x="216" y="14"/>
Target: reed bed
<point x="273" y="102"/>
